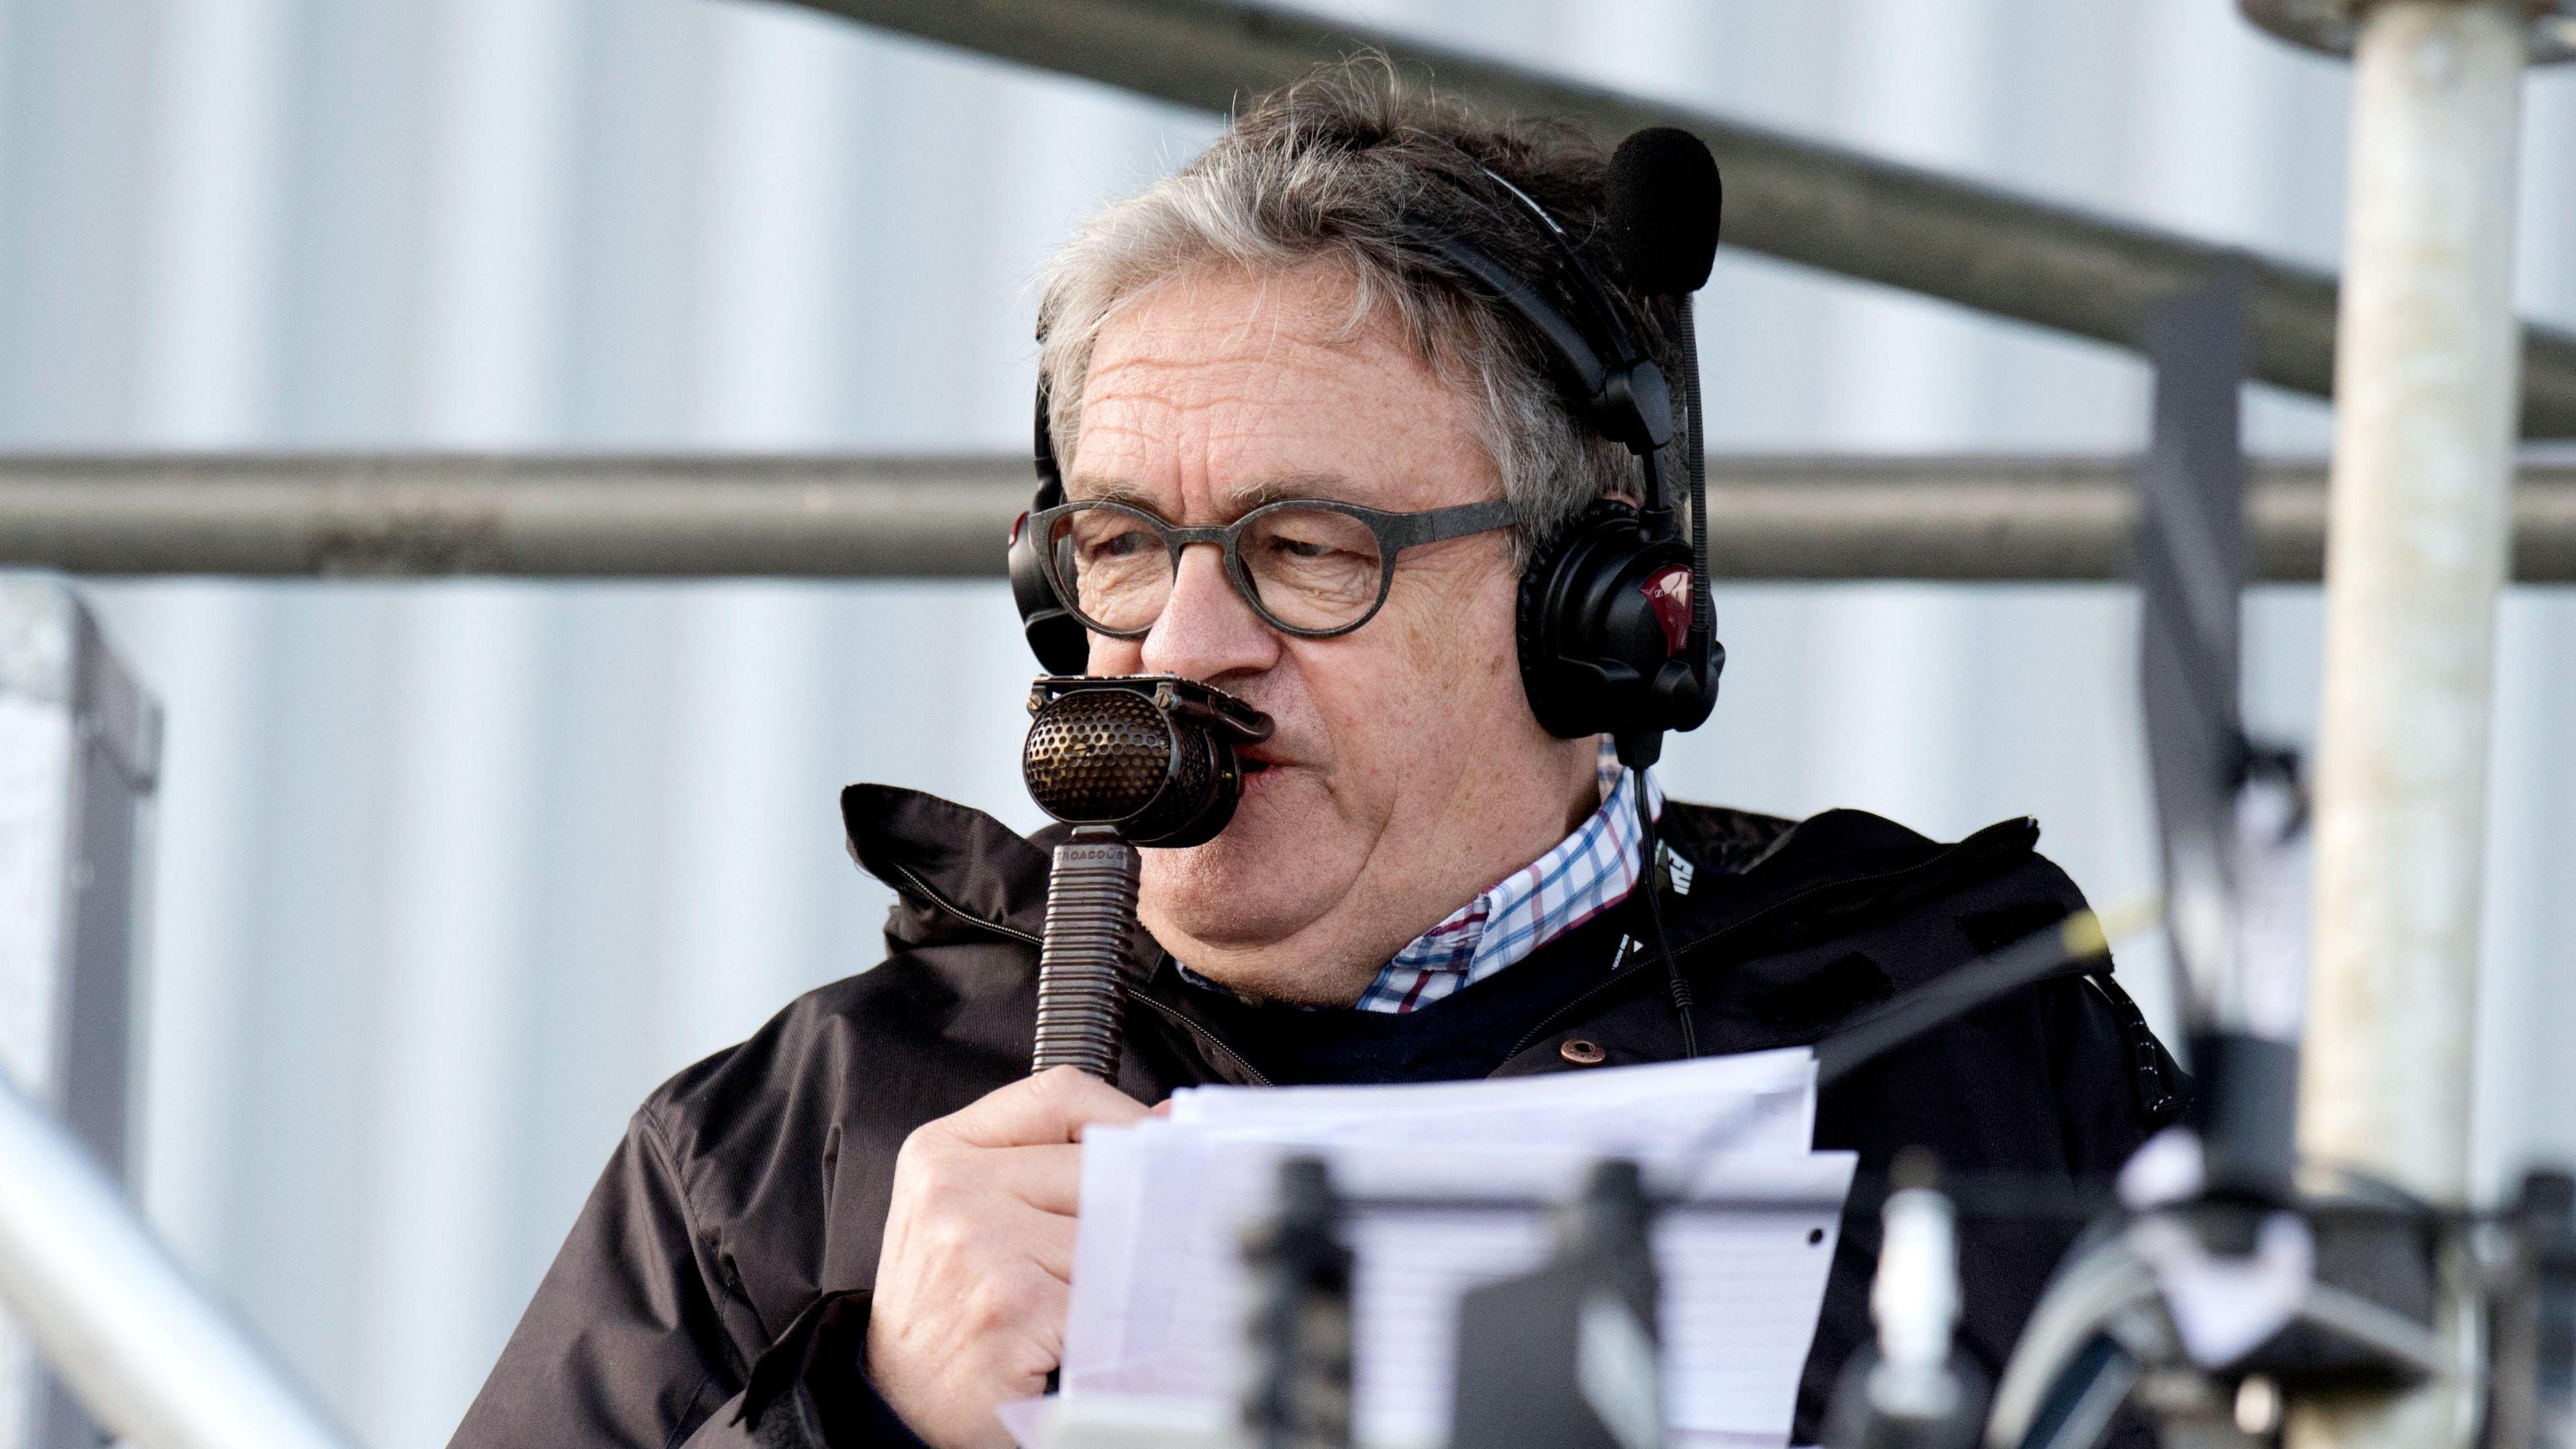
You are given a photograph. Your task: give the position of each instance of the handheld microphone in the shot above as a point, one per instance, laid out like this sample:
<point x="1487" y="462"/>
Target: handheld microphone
<point x="1126" y="761"/>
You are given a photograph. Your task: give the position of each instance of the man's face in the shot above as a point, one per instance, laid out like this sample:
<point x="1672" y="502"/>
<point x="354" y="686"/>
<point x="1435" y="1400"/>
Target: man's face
<point x="1407" y="774"/>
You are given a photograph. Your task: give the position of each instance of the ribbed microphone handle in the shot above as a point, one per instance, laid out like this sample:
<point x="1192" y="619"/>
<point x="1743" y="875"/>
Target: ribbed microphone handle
<point x="1083" y="960"/>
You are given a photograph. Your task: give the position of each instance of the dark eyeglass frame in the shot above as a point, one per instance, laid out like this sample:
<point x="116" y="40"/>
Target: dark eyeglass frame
<point x="1395" y="532"/>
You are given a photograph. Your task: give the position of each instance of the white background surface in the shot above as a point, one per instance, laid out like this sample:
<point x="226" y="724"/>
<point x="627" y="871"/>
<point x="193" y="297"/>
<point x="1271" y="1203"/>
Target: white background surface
<point x="450" y="874"/>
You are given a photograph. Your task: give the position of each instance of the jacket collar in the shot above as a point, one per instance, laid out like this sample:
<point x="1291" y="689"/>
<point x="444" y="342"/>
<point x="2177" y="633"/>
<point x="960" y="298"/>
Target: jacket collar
<point x="959" y="874"/>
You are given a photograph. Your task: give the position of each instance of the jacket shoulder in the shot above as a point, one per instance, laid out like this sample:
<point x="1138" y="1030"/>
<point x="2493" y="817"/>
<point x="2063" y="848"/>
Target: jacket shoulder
<point x="783" y="1145"/>
<point x="859" y="1046"/>
<point x="1831" y="914"/>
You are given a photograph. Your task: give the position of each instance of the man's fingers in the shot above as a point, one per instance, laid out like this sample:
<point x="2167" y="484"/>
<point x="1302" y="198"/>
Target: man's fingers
<point x="1047" y="1178"/>
<point x="1053" y="1106"/>
<point x="962" y="1180"/>
<point x="978" y="1258"/>
<point x="1009" y="1235"/>
<point x="1047" y="1240"/>
<point x="1020" y="1304"/>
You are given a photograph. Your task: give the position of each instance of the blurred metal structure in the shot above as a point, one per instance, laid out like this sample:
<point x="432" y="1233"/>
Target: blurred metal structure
<point x="1820" y="206"/>
<point x="1990" y="519"/>
<point x="157" y="1362"/>
<point x="2419" y="548"/>
<point x="79" y="745"/>
<point x="2333" y="26"/>
<point x="568" y="516"/>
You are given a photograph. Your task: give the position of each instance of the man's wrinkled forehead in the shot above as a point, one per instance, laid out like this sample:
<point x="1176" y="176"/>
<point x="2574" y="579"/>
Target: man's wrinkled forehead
<point x="1235" y="390"/>
<point x="1234" y="500"/>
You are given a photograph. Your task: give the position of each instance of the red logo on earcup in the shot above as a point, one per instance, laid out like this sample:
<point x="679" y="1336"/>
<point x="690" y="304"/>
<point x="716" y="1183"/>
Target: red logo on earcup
<point x="1668" y="593"/>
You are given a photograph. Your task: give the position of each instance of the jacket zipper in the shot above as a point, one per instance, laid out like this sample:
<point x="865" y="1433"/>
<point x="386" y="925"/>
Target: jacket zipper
<point x="961" y="913"/>
<point x="1205" y="1038"/>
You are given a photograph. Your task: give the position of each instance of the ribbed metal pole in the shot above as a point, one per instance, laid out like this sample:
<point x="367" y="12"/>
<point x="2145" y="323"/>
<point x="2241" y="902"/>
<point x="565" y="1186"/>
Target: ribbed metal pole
<point x="152" y="1359"/>
<point x="2419" y="518"/>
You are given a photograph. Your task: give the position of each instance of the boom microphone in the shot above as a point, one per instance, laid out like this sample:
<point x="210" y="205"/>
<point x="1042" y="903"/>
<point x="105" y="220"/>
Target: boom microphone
<point x="1127" y="760"/>
<point x="1665" y="201"/>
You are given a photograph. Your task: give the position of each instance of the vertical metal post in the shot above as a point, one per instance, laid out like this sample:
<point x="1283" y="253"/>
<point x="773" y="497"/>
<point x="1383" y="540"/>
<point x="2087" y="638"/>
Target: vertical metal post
<point x="79" y="741"/>
<point x="2420" y="504"/>
<point x="2425" y="374"/>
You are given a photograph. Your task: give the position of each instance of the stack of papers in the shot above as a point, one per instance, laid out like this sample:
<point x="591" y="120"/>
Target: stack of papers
<point x="1161" y="1295"/>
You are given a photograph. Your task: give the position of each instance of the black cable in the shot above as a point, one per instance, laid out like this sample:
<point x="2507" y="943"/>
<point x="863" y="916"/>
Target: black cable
<point x="1695" y="458"/>
<point x="1650" y="881"/>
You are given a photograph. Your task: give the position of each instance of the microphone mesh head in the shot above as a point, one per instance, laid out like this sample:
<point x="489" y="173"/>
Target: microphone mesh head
<point x="1097" y="756"/>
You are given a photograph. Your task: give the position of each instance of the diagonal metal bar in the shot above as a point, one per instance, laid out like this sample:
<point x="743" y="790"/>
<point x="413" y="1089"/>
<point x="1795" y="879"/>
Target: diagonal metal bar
<point x="1820" y="206"/>
<point x="2191" y="551"/>
<point x="159" y="1362"/>
<point x="2191" y="577"/>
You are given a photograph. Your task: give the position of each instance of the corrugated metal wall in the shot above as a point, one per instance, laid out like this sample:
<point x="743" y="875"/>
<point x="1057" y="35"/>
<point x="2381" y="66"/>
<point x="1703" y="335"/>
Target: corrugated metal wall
<point x="450" y="874"/>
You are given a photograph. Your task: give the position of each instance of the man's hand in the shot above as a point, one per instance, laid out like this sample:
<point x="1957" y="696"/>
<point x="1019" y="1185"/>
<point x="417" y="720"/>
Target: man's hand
<point x="972" y="1285"/>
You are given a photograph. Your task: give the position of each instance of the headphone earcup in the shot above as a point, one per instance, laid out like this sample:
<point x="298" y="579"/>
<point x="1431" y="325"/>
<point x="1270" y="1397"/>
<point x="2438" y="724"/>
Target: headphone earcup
<point x="1604" y="608"/>
<point x="1059" y="641"/>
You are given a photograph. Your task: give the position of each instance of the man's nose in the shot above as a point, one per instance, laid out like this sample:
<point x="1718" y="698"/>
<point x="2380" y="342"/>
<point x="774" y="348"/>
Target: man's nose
<point x="1207" y="631"/>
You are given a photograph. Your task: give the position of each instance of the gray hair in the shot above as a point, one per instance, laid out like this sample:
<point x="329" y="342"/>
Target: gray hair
<point x="1348" y="167"/>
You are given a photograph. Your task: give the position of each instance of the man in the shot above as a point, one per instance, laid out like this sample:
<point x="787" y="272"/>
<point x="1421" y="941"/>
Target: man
<point x="856" y="1228"/>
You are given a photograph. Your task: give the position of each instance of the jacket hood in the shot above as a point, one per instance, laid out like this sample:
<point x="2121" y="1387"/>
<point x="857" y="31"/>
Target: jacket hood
<point x="957" y="872"/>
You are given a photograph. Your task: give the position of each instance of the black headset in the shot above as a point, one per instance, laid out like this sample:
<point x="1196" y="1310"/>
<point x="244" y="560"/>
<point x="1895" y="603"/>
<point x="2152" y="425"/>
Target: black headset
<point x="1617" y="635"/>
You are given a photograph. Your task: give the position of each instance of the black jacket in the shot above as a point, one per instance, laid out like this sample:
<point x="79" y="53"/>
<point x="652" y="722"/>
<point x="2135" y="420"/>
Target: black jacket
<point x="713" y="1290"/>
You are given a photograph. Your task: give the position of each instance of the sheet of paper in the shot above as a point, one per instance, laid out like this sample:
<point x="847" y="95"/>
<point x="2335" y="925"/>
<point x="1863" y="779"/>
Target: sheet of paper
<point x="1160" y="1293"/>
<point x="1763" y="1101"/>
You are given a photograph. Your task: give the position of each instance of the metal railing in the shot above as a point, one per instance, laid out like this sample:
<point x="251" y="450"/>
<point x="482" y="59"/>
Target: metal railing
<point x="1782" y="518"/>
<point x="1821" y="206"/>
<point x="143" y="1347"/>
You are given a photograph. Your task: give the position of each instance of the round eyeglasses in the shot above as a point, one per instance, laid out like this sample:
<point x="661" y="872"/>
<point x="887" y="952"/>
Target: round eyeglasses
<point x="1307" y="567"/>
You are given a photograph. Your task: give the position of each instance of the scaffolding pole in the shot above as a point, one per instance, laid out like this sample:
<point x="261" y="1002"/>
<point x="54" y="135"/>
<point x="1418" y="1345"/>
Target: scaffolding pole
<point x="1960" y="518"/>
<point x="2417" y="540"/>
<point x="150" y="1355"/>
<point x="1820" y="206"/>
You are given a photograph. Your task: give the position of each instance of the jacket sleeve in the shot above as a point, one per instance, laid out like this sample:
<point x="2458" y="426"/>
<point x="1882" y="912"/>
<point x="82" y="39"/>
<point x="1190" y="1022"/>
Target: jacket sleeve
<point x="624" y="1343"/>
<point x="811" y="1390"/>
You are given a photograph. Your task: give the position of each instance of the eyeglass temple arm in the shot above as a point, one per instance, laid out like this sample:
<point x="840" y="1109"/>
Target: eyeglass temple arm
<point x="1439" y="524"/>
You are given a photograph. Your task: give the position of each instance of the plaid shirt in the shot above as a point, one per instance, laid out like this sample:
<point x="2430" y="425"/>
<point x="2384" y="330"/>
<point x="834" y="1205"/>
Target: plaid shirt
<point x="1587" y="873"/>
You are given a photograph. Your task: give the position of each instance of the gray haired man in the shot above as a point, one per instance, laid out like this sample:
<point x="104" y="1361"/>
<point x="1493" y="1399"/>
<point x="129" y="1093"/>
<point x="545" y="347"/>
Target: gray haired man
<point x="856" y="1228"/>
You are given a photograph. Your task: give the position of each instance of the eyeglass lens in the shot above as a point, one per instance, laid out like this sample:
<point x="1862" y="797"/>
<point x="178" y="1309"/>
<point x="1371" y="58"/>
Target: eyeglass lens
<point x="1308" y="568"/>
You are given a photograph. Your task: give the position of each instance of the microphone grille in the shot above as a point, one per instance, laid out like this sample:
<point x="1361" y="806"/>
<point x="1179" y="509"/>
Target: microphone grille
<point x="1097" y="756"/>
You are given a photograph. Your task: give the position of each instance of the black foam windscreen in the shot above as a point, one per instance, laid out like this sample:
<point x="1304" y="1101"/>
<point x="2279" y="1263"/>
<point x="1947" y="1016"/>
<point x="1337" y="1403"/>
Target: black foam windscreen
<point x="1665" y="200"/>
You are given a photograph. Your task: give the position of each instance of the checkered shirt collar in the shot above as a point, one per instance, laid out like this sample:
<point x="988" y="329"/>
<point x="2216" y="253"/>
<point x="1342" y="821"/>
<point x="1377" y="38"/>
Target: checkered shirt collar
<point x="1588" y="872"/>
